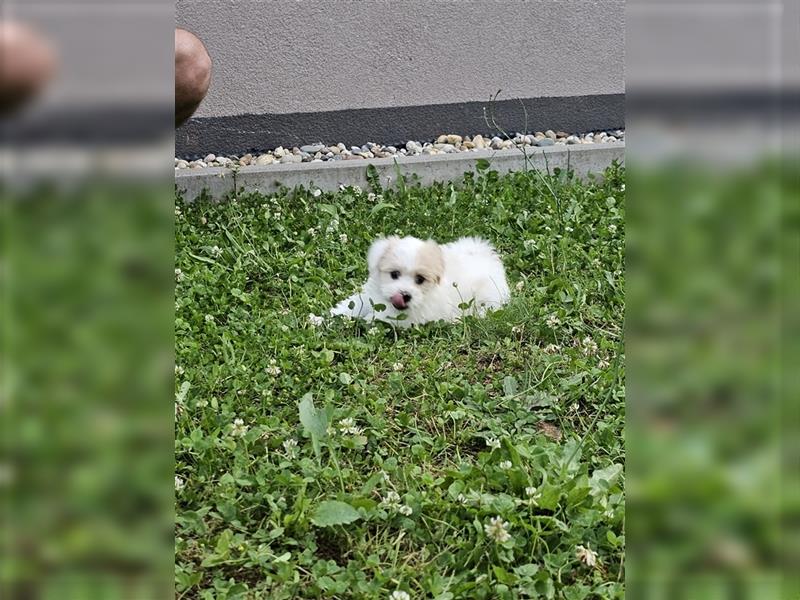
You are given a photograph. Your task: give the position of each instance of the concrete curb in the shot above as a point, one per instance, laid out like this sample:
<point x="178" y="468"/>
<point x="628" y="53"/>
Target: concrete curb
<point x="220" y="183"/>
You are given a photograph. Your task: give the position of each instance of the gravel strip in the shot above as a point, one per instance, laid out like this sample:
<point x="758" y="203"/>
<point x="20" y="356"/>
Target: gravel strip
<point x="444" y="144"/>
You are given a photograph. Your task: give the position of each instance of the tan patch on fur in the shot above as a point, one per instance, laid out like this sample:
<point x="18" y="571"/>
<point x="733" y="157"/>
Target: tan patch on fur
<point x="430" y="261"/>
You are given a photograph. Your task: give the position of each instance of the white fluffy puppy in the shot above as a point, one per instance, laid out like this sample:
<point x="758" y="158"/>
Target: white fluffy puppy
<point x="426" y="281"/>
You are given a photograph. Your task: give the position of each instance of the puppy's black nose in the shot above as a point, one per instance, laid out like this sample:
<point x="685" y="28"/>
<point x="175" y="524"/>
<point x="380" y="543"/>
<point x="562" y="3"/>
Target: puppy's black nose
<point x="406" y="297"/>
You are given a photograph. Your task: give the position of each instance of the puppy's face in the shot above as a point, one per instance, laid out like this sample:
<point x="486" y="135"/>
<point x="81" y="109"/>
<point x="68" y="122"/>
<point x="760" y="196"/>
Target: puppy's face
<point x="406" y="270"/>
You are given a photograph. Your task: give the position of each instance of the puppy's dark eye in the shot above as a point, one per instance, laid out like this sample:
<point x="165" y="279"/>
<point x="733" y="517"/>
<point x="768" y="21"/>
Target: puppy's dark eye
<point x="420" y="279"/>
<point x="395" y="274"/>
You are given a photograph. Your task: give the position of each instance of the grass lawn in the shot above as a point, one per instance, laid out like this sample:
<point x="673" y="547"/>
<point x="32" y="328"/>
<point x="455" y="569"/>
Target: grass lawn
<point x="352" y="460"/>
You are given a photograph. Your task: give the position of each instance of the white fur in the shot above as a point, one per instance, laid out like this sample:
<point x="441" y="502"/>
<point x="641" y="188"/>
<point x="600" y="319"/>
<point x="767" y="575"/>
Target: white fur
<point x="465" y="271"/>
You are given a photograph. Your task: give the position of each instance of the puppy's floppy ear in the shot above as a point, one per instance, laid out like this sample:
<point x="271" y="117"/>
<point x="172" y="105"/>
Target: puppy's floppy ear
<point x="377" y="251"/>
<point x="431" y="260"/>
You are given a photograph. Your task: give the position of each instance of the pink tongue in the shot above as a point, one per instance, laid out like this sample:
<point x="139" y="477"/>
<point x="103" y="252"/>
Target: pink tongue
<point x="398" y="301"/>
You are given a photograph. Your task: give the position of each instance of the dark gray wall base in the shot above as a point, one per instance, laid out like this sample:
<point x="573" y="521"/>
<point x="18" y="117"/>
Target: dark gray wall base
<point x="396" y="125"/>
<point x="90" y="125"/>
<point x="714" y="105"/>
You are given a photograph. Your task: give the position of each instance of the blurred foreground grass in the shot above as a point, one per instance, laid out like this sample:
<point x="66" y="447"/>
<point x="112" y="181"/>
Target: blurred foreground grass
<point x="86" y="467"/>
<point x="712" y="391"/>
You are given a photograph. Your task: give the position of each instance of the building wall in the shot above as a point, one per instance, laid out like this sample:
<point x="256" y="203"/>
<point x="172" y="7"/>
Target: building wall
<point x="299" y="72"/>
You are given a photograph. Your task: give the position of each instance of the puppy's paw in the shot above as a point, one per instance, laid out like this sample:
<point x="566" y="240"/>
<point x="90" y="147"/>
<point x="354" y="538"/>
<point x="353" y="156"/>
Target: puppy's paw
<point x="350" y="307"/>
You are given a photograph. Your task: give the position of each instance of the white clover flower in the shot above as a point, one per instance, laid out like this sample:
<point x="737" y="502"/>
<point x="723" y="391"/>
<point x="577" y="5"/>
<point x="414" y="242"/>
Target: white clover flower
<point x="315" y="320"/>
<point x="392" y="497"/>
<point x="533" y="495"/>
<point x="316" y="193"/>
<point x="462" y="499"/>
<point x="516" y="329"/>
<point x="177" y="211"/>
<point x="203" y="220"/>
<point x="372" y="331"/>
<point x="603" y="363"/>
<point x="343" y="238"/>
<point x="209" y="318"/>
<point x="202" y="403"/>
<point x="589" y="346"/>
<point x="216" y="251"/>
<point x="398" y="366"/>
<point x="238" y="429"/>
<point x="273" y="368"/>
<point x="179" y="275"/>
<point x="357" y="189"/>
<point x="520" y="286"/>
<point x="312" y="231"/>
<point x="505" y="465"/>
<point x="497" y="529"/>
<point x="586" y="555"/>
<point x="179" y="370"/>
<point x="551" y="349"/>
<point x="553" y="321"/>
<point x="492" y="442"/>
<point x="290" y="446"/>
<point x="399" y="595"/>
<point x="612" y="228"/>
<point x="347" y="426"/>
<point x="179" y="483"/>
<point x="568" y="228"/>
<point x="371" y="197"/>
<point x="392" y="502"/>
